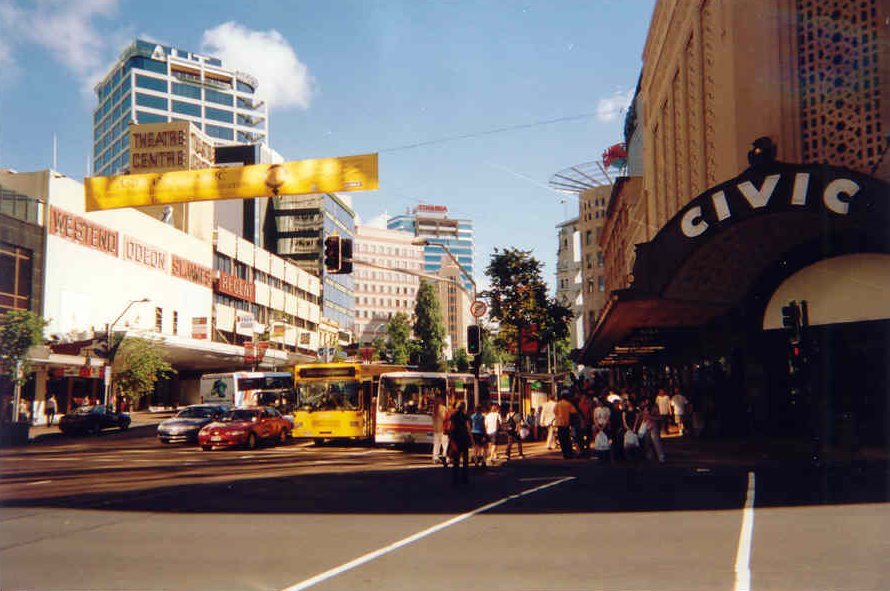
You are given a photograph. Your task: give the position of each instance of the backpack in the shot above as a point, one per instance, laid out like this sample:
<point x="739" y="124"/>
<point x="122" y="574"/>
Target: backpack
<point x="511" y="423"/>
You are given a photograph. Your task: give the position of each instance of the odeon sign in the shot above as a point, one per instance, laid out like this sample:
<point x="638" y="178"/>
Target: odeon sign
<point x="784" y="190"/>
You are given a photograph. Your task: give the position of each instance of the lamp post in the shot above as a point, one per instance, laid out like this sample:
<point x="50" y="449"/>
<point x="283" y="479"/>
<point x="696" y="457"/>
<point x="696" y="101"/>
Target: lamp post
<point x="461" y="268"/>
<point x="109" y="344"/>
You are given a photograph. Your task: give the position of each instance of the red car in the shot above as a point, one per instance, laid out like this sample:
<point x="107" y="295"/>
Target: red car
<point x="245" y="426"/>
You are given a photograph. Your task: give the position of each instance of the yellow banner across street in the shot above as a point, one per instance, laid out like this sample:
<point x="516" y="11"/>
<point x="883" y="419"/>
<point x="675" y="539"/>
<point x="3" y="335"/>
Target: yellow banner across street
<point x="323" y="175"/>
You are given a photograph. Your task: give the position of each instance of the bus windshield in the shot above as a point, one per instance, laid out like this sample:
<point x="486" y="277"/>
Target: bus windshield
<point x="409" y="395"/>
<point x="328" y="395"/>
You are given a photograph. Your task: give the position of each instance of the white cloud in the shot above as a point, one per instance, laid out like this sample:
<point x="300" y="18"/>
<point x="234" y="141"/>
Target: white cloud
<point x="284" y="81"/>
<point x="610" y="108"/>
<point x="378" y="221"/>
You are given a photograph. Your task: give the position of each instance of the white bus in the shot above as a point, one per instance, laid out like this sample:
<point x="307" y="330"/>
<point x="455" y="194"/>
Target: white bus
<point x="405" y="403"/>
<point x="249" y="388"/>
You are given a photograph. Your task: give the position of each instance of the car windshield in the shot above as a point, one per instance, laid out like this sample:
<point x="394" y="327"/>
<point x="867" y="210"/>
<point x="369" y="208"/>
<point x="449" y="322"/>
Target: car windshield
<point x="335" y="395"/>
<point x="198" y="412"/>
<point x="87" y="410"/>
<point x="240" y="415"/>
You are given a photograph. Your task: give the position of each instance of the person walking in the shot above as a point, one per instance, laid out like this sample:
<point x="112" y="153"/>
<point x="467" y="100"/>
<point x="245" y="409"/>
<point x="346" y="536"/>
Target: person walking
<point x="492" y="426"/>
<point x="477" y="431"/>
<point x="650" y="425"/>
<point x="512" y="424"/>
<point x="459" y="443"/>
<point x="630" y="420"/>
<point x="50" y="409"/>
<point x="440" y="437"/>
<point x="547" y="417"/>
<point x="663" y="404"/>
<point x="680" y="405"/>
<point x="563" y="421"/>
<point x="602" y="447"/>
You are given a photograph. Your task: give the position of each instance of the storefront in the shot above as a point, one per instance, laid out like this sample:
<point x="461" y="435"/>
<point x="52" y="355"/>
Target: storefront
<point x="704" y="308"/>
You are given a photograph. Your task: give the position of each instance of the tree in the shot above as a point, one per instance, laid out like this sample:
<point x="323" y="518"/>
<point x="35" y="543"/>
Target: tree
<point x="429" y="328"/>
<point x="398" y="343"/>
<point x="518" y="300"/>
<point x="138" y="365"/>
<point x="461" y="360"/>
<point x="19" y="331"/>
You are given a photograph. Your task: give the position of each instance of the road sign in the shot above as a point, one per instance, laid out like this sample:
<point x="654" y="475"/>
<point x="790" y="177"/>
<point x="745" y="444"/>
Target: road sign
<point x="478" y="309"/>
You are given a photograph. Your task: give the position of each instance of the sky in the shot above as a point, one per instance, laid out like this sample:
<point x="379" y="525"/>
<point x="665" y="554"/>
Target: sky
<point x="472" y="105"/>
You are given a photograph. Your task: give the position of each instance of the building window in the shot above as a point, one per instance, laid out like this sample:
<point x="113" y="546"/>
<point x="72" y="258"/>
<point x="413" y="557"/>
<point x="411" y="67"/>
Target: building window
<point x="15" y="277"/>
<point x="601" y="283"/>
<point x="187" y="108"/>
<point x="175" y="322"/>
<point x="187" y="90"/>
<point x="143" y="117"/>
<point x="219" y="115"/>
<point x="220" y="98"/>
<point x="151" y="83"/>
<point x="155" y="102"/>
<point x="221" y="133"/>
<point x="159" y="319"/>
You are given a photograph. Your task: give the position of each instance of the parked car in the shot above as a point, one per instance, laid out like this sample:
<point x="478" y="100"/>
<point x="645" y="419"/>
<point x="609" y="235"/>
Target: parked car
<point x="92" y="420"/>
<point x="184" y="425"/>
<point x="246" y="426"/>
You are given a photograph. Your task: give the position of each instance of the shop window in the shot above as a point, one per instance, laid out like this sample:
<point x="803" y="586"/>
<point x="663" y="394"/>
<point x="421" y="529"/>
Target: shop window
<point x="159" y="319"/>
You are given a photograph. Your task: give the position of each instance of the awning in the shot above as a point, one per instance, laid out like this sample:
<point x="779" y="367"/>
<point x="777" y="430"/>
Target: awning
<point x="706" y="259"/>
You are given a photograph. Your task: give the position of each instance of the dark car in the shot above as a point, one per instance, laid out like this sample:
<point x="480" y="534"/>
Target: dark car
<point x="184" y="426"/>
<point x="245" y="426"/>
<point x="92" y="420"/>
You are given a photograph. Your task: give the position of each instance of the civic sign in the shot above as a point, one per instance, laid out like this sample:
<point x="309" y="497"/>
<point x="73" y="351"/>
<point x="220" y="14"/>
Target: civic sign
<point x="324" y="175"/>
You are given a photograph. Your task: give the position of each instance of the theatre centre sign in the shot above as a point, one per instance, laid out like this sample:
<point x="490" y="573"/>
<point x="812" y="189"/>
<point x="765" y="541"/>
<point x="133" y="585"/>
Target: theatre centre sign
<point x="165" y="147"/>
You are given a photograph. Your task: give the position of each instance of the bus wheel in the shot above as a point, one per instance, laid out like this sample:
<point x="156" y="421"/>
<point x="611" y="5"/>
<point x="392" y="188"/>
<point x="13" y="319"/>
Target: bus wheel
<point x="251" y="441"/>
<point x="318" y="441"/>
<point x="282" y="437"/>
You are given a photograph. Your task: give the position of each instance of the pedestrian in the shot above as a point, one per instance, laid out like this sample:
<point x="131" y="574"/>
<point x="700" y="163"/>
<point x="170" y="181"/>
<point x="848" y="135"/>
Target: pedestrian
<point x="547" y="418"/>
<point x="563" y="421"/>
<point x="630" y="420"/>
<point x="24" y="410"/>
<point x="663" y="404"/>
<point x="492" y="426"/>
<point x="512" y="425"/>
<point x="50" y="409"/>
<point x="440" y="437"/>
<point x="651" y="431"/>
<point x="602" y="447"/>
<point x="680" y="406"/>
<point x="477" y="431"/>
<point x="531" y="422"/>
<point x="459" y="443"/>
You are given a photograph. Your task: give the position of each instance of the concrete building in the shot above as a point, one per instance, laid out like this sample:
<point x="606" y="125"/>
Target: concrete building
<point x="299" y="225"/>
<point x="762" y="131"/>
<point x="432" y="223"/>
<point x="123" y="271"/>
<point x="454" y="301"/>
<point x="569" y="281"/>
<point x="381" y="293"/>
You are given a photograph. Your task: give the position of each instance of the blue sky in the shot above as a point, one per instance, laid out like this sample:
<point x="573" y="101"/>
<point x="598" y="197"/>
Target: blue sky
<point x="348" y="77"/>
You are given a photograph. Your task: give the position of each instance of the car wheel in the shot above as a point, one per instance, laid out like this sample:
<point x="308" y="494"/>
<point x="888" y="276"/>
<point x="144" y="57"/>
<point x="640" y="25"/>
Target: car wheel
<point x="282" y="437"/>
<point x="206" y="447"/>
<point x="95" y="431"/>
<point x="125" y="425"/>
<point x="251" y="441"/>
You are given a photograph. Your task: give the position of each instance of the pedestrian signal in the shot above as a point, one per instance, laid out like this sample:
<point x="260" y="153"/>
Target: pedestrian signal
<point x="791" y="320"/>
<point x="332" y="254"/>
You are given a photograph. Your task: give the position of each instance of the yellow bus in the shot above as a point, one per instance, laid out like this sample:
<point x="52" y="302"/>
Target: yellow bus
<point x="336" y="400"/>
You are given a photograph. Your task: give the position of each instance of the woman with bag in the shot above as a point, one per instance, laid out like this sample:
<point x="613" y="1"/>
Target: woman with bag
<point x="630" y="420"/>
<point x="513" y="425"/>
<point x="459" y="442"/>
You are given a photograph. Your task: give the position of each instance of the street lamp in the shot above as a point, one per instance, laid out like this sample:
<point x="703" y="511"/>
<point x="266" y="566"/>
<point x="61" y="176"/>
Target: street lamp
<point x="109" y="344"/>
<point x="425" y="242"/>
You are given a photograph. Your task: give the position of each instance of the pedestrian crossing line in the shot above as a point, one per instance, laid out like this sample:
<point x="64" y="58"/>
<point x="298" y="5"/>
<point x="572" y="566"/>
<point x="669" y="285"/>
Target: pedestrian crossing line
<point x="331" y="573"/>
<point x="743" y="556"/>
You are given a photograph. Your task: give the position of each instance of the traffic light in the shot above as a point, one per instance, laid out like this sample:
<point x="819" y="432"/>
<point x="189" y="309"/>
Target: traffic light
<point x="333" y="256"/>
<point x="791" y="320"/>
<point x="345" y="256"/>
<point x="474" y="340"/>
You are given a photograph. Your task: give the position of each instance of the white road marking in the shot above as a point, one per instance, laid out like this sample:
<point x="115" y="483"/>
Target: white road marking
<point x="329" y="574"/>
<point x="39" y="482"/>
<point x="743" y="556"/>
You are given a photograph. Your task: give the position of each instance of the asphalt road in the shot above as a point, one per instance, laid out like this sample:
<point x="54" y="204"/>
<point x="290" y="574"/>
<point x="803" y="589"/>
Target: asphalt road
<point x="124" y="512"/>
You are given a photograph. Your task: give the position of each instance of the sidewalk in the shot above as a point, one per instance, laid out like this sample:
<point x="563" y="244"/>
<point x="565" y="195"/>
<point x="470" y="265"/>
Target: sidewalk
<point x="140" y="418"/>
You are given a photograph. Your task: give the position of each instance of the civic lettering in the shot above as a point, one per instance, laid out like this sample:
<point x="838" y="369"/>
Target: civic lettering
<point x="720" y="205"/>
<point x="692" y="224"/>
<point x="831" y="197"/>
<point x="759" y="198"/>
<point x="801" y="185"/>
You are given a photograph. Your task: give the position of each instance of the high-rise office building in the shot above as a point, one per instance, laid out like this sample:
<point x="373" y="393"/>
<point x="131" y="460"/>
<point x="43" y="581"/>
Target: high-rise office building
<point x="431" y="222"/>
<point x="298" y="226"/>
<point x="569" y="277"/>
<point x="152" y="83"/>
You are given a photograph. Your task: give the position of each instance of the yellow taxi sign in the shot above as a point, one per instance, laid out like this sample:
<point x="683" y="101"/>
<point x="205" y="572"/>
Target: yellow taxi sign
<point x="323" y="175"/>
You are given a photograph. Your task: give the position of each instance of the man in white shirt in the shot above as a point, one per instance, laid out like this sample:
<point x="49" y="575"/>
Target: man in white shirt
<point x="663" y="403"/>
<point x="492" y="425"/>
<point x="547" y="417"/>
<point x="440" y="438"/>
<point x="680" y="404"/>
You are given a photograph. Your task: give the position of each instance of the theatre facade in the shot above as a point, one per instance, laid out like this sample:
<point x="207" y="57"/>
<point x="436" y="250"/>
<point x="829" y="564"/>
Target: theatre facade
<point x="764" y="129"/>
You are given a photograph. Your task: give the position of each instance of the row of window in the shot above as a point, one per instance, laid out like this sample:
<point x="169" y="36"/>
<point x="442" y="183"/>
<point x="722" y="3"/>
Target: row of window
<point x="15" y="277"/>
<point x="390" y="250"/>
<point x="230" y="266"/>
<point x="385" y="302"/>
<point x="393" y="289"/>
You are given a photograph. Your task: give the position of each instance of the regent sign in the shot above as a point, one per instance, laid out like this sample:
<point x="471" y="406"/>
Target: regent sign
<point x="789" y="189"/>
<point x="325" y="175"/>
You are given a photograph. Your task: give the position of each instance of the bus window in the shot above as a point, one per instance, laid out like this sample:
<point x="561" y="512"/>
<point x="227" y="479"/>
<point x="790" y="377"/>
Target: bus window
<point x="328" y="395"/>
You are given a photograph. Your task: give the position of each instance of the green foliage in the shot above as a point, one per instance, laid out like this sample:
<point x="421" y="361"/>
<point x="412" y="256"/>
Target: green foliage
<point x="429" y="328"/>
<point x="398" y="345"/>
<point x="19" y="331"/>
<point x="492" y="352"/>
<point x="379" y="344"/>
<point x="461" y="360"/>
<point x="138" y="365"/>
<point x="563" y="348"/>
<point x="518" y="299"/>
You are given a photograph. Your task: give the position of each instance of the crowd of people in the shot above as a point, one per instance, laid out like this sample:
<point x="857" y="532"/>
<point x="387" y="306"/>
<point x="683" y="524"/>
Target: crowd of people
<point x="581" y="422"/>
